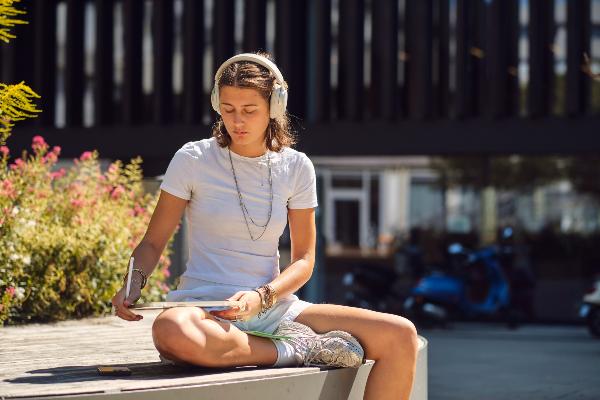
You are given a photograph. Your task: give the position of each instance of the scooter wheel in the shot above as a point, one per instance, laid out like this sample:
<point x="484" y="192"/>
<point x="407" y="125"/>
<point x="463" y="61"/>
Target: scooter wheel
<point x="594" y="322"/>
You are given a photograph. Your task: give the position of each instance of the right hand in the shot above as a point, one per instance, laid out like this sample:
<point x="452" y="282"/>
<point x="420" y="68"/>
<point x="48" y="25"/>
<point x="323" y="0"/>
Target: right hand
<point x="122" y="304"/>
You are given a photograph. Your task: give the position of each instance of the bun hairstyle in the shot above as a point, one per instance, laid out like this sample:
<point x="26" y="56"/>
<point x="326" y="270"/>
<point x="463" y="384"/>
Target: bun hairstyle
<point x="255" y="71"/>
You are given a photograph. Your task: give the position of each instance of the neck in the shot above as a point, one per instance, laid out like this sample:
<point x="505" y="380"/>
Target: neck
<point x="247" y="151"/>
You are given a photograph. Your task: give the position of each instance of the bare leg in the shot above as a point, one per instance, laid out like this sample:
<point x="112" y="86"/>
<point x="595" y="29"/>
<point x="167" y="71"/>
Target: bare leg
<point x="388" y="339"/>
<point x="191" y="335"/>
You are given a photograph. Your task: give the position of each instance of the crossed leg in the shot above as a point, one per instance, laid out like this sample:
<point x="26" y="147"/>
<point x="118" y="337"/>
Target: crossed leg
<point x="191" y="335"/>
<point x="388" y="339"/>
<point x="194" y="336"/>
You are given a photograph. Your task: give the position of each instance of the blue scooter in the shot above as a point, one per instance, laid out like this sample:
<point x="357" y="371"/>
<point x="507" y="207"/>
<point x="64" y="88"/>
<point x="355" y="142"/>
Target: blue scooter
<point x="472" y="285"/>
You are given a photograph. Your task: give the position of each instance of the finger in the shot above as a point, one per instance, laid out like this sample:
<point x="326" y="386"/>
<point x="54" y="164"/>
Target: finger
<point x="223" y="314"/>
<point x="123" y="316"/>
<point x="244" y="306"/>
<point x="124" y="309"/>
<point x="236" y="296"/>
<point x="229" y="315"/>
<point x="129" y="316"/>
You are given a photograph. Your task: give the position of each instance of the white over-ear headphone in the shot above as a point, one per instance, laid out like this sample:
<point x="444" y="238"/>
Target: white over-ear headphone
<point x="279" y="95"/>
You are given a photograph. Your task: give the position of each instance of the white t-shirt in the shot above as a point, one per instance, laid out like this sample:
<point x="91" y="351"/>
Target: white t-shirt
<point x="220" y="247"/>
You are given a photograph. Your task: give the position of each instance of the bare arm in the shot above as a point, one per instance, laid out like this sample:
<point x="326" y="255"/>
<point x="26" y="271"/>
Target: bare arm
<point x="165" y="218"/>
<point x="303" y="235"/>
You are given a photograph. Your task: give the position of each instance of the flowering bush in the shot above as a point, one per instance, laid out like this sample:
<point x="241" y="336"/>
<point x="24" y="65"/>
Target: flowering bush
<point x="66" y="235"/>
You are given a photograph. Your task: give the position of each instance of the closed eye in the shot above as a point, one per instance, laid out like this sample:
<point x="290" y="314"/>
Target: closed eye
<point x="245" y="111"/>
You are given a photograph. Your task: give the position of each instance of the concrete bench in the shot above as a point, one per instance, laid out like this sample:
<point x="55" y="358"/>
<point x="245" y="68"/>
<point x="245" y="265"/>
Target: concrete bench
<point x="59" y="361"/>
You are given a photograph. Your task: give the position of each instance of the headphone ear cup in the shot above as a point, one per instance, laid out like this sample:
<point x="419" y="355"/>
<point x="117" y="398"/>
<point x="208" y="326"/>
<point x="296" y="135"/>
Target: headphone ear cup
<point x="214" y="99"/>
<point x="278" y="105"/>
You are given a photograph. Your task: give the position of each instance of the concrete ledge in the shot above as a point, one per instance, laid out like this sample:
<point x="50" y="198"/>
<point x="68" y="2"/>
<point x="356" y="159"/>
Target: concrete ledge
<point x="267" y="384"/>
<point x="58" y="361"/>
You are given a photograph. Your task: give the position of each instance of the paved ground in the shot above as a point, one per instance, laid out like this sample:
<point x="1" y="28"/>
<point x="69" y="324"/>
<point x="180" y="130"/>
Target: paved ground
<point x="490" y="362"/>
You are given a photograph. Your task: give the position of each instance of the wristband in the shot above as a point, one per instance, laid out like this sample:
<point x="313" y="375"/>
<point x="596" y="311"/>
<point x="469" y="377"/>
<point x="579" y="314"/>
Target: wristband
<point x="268" y="299"/>
<point x="142" y="273"/>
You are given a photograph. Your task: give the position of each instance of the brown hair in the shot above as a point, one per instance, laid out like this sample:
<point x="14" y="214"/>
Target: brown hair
<point x="247" y="74"/>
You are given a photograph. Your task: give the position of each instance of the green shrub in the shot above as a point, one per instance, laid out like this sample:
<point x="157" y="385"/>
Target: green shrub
<point x="66" y="235"/>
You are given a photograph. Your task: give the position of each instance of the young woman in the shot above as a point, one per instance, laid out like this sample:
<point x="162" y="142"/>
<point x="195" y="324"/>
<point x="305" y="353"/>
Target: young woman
<point x="238" y="190"/>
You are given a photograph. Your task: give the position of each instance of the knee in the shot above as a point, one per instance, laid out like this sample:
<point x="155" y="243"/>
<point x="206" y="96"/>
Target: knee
<point x="400" y="336"/>
<point x="169" y="331"/>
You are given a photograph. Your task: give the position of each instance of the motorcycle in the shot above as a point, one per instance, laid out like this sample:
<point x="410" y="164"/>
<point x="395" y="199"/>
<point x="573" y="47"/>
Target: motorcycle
<point x="472" y="285"/>
<point x="373" y="287"/>
<point x="590" y="309"/>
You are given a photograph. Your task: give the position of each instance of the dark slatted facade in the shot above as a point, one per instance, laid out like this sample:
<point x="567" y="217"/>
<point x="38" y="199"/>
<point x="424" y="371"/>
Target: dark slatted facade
<point x="367" y="77"/>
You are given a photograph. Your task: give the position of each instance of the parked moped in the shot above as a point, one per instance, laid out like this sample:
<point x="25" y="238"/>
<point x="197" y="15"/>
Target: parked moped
<point x="590" y="309"/>
<point x="473" y="285"/>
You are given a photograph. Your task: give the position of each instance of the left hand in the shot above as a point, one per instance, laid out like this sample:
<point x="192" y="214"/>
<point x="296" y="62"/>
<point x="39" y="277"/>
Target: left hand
<point x="251" y="307"/>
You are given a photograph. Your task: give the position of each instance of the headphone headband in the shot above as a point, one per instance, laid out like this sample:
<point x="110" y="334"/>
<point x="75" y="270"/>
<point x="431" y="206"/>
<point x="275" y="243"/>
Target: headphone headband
<point x="265" y="62"/>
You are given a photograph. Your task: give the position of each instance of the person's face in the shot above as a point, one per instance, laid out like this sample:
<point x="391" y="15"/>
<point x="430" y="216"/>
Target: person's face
<point x="246" y="116"/>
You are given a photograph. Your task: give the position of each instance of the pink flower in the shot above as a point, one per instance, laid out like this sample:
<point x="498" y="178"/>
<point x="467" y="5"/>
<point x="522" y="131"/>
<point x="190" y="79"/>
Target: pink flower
<point x="10" y="291"/>
<point x="163" y="286"/>
<point x="138" y="210"/>
<point x="8" y="189"/>
<point x="76" y="203"/>
<point x="86" y="155"/>
<point x="58" y="174"/>
<point x="117" y="192"/>
<point x="4" y="150"/>
<point x="56" y="150"/>
<point x="17" y="164"/>
<point x="51" y="158"/>
<point x="7" y="185"/>
<point x="167" y="272"/>
<point x="39" y="143"/>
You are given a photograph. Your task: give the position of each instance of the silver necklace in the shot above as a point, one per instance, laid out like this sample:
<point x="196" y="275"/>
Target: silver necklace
<point x="243" y="206"/>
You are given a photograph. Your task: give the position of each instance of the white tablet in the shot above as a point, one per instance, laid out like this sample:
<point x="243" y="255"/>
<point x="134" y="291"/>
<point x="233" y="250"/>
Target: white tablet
<point x="212" y="304"/>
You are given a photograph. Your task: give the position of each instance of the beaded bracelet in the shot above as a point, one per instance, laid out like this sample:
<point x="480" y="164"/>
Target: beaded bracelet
<point x="142" y="273"/>
<point x="268" y="299"/>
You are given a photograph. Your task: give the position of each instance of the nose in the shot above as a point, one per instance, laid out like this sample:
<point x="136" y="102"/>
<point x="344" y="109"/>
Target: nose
<point x="238" y="120"/>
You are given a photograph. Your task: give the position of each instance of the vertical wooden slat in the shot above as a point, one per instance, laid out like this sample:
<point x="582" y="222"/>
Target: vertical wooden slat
<point x="384" y="64"/>
<point x="419" y="74"/>
<point x="103" y="63"/>
<point x="74" y="71"/>
<point x="578" y="44"/>
<point x="351" y="53"/>
<point x="255" y="25"/>
<point x="193" y="67"/>
<point x="498" y="57"/>
<point x="319" y="61"/>
<point x="541" y="57"/>
<point x="463" y="60"/>
<point x="443" y="32"/>
<point x="163" y="15"/>
<point x="479" y="55"/>
<point x="290" y="50"/>
<point x="223" y="33"/>
<point x="402" y="91"/>
<point x="44" y="82"/>
<point x="513" y="32"/>
<point x="502" y="57"/>
<point x="283" y="39"/>
<point x="133" y="13"/>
